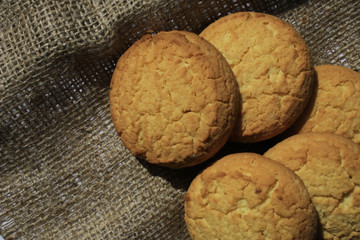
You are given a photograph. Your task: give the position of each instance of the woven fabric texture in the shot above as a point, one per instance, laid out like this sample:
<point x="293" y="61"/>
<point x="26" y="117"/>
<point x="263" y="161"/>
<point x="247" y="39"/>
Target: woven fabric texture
<point x="64" y="173"/>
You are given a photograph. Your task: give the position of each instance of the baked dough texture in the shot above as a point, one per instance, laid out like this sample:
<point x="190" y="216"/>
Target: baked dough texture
<point x="273" y="67"/>
<point x="248" y="196"/>
<point x="174" y="99"/>
<point x="335" y="104"/>
<point x="329" y="165"/>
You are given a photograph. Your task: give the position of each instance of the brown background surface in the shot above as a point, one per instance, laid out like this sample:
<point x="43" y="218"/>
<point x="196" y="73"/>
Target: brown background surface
<point x="64" y="174"/>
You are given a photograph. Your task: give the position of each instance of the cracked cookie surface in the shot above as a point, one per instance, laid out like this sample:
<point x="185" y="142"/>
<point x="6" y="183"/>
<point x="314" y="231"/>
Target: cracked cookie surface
<point x="248" y="196"/>
<point x="174" y="99"/>
<point x="273" y="68"/>
<point x="335" y="104"/>
<point x="329" y="165"/>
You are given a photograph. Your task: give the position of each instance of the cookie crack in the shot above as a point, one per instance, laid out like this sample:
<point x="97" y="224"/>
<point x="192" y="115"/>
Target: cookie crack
<point x="269" y="194"/>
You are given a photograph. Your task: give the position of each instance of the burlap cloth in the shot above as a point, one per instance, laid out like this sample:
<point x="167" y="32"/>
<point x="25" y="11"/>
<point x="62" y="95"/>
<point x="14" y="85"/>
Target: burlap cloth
<point x="64" y="174"/>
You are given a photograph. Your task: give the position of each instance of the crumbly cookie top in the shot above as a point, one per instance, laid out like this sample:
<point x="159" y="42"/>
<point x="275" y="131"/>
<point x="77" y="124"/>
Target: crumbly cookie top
<point x="273" y="67"/>
<point x="335" y="106"/>
<point x="248" y="196"/>
<point x="174" y="99"/>
<point x="329" y="165"/>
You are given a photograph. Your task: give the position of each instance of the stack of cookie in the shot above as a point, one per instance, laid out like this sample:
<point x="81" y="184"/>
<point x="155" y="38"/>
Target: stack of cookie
<point x="177" y="97"/>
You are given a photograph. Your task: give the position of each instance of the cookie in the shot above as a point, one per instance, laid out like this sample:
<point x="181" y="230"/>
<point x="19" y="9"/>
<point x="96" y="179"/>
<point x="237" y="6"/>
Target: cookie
<point x="273" y="67"/>
<point x="329" y="165"/>
<point x="335" y="104"/>
<point x="248" y="196"/>
<point x="174" y="99"/>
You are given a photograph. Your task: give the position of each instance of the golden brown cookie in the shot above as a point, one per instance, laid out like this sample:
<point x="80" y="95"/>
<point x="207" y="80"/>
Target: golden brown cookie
<point x="329" y="165"/>
<point x="248" y="196"/>
<point x="174" y="99"/>
<point x="273" y="68"/>
<point x="335" y="104"/>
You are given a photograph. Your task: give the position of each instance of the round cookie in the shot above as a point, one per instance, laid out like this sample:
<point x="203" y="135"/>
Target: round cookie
<point x="329" y="165"/>
<point x="273" y="67"/>
<point x="335" y="104"/>
<point x="248" y="196"/>
<point x="174" y="100"/>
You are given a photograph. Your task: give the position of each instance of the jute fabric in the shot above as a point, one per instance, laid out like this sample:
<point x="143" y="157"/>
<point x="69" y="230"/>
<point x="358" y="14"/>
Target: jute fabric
<point x="64" y="173"/>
